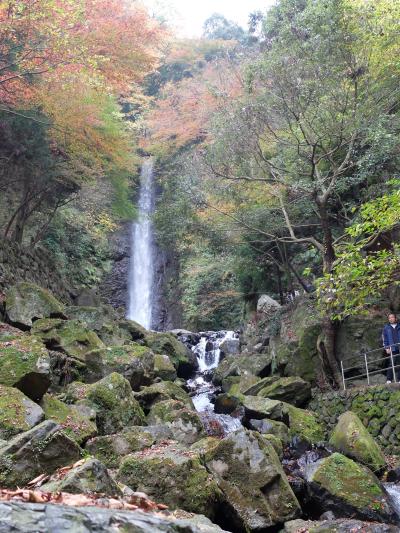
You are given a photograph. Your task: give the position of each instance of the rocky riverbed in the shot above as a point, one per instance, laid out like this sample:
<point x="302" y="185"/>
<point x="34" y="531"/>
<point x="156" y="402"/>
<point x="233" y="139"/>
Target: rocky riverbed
<point x="115" y="428"/>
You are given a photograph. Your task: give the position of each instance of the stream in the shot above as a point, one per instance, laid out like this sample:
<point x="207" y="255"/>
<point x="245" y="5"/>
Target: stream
<point x="207" y="348"/>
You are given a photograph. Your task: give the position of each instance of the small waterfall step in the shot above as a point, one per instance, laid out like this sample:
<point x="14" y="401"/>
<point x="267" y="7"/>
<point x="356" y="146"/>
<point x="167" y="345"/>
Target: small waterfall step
<point x="208" y="351"/>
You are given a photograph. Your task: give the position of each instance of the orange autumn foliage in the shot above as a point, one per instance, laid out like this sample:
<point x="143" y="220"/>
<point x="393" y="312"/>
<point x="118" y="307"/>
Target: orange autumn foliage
<point x="183" y="113"/>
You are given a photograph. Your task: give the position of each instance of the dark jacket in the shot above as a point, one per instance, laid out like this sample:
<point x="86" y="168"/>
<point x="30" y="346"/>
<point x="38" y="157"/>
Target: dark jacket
<point x="391" y="337"/>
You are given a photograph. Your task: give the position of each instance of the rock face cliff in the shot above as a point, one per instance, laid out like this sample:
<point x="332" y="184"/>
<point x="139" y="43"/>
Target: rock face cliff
<point x="19" y="263"/>
<point x="114" y="288"/>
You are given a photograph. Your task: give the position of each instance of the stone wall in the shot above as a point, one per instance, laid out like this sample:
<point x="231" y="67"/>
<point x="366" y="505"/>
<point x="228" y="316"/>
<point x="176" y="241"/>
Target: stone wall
<point x="378" y="407"/>
<point x="18" y="263"/>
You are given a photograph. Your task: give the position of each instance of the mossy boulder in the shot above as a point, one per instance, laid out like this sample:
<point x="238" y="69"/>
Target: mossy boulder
<point x="271" y="427"/>
<point x="159" y="392"/>
<point x="339" y="484"/>
<point x="227" y="403"/>
<point x="205" y="445"/>
<point x="78" y="427"/>
<point x="293" y="390"/>
<point x="8" y="332"/>
<point x="352" y="439"/>
<point x="181" y="357"/>
<point x="304" y="425"/>
<point x="25" y="364"/>
<point x="256" y="491"/>
<point x="91" y="477"/>
<point x="240" y="365"/>
<point x="115" y="405"/>
<point x="239" y="384"/>
<point x="185" y="424"/>
<point x="111" y="449"/>
<point x="134" y="362"/>
<point x="163" y="368"/>
<point x="70" y="336"/>
<point x="41" y="450"/>
<point x="173" y="476"/>
<point x="17" y="412"/>
<point x="27" y="302"/>
<point x="276" y="443"/>
<point x="135" y="330"/>
<point x="103" y="320"/>
<point x="259" y="408"/>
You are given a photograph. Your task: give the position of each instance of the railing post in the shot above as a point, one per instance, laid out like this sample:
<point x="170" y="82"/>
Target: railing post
<point x="344" y="381"/>
<point x="392" y="361"/>
<point x="366" y="366"/>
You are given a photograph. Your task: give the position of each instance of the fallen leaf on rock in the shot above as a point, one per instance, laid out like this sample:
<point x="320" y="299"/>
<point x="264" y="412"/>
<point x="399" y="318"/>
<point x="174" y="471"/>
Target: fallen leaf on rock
<point x="131" y="503"/>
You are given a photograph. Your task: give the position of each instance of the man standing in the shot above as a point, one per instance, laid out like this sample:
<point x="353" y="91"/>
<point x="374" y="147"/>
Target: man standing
<point x="391" y="343"/>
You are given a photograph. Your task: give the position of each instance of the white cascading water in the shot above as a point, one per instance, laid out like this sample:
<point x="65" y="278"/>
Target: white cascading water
<point x="208" y="353"/>
<point x="142" y="266"/>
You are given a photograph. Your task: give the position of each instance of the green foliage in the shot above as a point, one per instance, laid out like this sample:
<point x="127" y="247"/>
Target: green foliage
<point x="367" y="262"/>
<point x="210" y="291"/>
<point x="80" y="250"/>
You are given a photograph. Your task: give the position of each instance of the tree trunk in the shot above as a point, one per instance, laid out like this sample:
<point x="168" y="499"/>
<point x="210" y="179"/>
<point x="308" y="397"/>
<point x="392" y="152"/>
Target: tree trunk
<point x="280" y="289"/>
<point x="327" y="342"/>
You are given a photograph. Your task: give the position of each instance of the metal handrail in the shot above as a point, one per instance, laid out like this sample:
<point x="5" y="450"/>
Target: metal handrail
<point x="368" y="372"/>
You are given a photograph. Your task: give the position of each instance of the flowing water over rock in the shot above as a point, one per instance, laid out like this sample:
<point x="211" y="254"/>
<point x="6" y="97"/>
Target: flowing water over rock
<point x="141" y="271"/>
<point x="208" y="352"/>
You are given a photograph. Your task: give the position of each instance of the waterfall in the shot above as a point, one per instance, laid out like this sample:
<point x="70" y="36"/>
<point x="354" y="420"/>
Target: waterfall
<point x="141" y="268"/>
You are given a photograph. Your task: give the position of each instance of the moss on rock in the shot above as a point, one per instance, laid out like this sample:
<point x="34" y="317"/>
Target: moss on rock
<point x="250" y="475"/>
<point x="163" y="368"/>
<point x="91" y="477"/>
<point x="172" y="476"/>
<point x="111" y="449"/>
<point x="185" y="424"/>
<point x="166" y="343"/>
<point x="70" y="336"/>
<point x="133" y="361"/>
<point x="25" y="364"/>
<point x="355" y="489"/>
<point x="74" y="424"/>
<point x="159" y="392"/>
<point x="304" y="425"/>
<point x="17" y="412"/>
<point x="26" y="302"/>
<point x="352" y="439"/>
<point x="292" y="389"/>
<point x="41" y="450"/>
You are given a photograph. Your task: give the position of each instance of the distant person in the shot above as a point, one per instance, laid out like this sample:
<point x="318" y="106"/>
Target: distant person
<point x="391" y="343"/>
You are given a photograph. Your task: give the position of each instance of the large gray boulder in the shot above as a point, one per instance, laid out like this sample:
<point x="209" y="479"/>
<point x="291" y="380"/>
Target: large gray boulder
<point x="25" y="364"/>
<point x="160" y="392"/>
<point x="112" y="400"/>
<point x="17" y="412"/>
<point x="90" y="477"/>
<point x="111" y="449"/>
<point x="185" y="424"/>
<point x="134" y="362"/>
<point x="349" y="489"/>
<point x="290" y="389"/>
<point x="172" y="475"/>
<point x="41" y="450"/>
<point x="267" y="306"/>
<point x="26" y="302"/>
<point x="352" y="438"/>
<point x="256" y="491"/>
<point x="242" y="365"/>
<point x="48" y="518"/>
